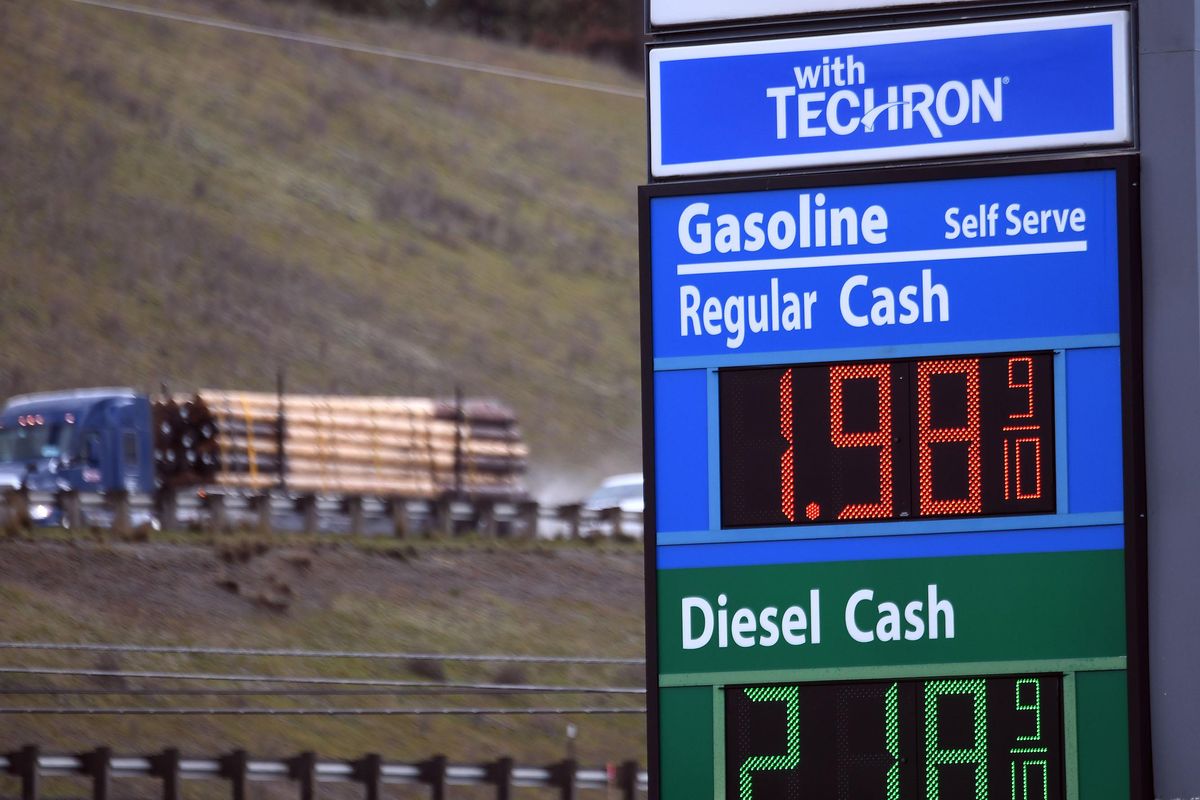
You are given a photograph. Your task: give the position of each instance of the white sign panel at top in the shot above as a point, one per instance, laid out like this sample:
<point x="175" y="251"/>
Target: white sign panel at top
<point x="683" y="12"/>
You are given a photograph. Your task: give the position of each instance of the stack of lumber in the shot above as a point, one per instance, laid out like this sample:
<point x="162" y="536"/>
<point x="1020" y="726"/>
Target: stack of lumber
<point x="332" y="445"/>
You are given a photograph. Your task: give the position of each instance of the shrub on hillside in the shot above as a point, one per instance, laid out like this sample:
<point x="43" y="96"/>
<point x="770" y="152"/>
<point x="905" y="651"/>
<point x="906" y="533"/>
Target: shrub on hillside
<point x="609" y="29"/>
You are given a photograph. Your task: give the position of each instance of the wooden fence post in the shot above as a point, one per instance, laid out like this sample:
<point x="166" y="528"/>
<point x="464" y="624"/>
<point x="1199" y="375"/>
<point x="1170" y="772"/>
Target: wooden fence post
<point x="613" y="518"/>
<point x="368" y="771"/>
<point x="485" y="518"/>
<point x="627" y="780"/>
<point x="118" y="504"/>
<point x="98" y="765"/>
<point x="16" y="506"/>
<point x="165" y="765"/>
<point x="401" y="523"/>
<point x="233" y="769"/>
<point x="24" y="764"/>
<point x="307" y="506"/>
<point x="530" y="514"/>
<point x="167" y="503"/>
<point x="500" y="773"/>
<point x="303" y="769"/>
<point x="353" y="508"/>
<point x="218" y="513"/>
<point x="564" y="777"/>
<point x="17" y="503"/>
<point x="443" y="518"/>
<point x="573" y="515"/>
<point x="433" y="772"/>
<point x="260" y="505"/>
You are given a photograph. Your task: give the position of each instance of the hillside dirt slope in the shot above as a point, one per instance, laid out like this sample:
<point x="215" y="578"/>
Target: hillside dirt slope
<point x="205" y="207"/>
<point x="543" y="600"/>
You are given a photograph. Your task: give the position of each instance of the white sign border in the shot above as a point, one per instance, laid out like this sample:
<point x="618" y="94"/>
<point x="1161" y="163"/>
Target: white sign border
<point x="1120" y="133"/>
<point x="684" y="12"/>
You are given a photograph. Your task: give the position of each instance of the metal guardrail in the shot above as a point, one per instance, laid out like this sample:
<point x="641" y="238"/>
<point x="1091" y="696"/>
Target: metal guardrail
<point x="401" y="517"/>
<point x="29" y="765"/>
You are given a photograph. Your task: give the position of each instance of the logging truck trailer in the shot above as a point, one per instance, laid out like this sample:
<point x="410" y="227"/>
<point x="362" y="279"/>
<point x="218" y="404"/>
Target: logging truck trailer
<point x="116" y="440"/>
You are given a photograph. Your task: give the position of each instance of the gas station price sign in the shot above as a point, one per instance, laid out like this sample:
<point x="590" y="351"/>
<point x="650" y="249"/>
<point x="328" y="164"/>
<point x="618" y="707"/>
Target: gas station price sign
<point x="894" y="484"/>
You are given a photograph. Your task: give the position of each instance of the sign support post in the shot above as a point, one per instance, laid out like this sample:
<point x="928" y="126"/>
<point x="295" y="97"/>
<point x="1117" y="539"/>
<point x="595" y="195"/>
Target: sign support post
<point x="1169" y="39"/>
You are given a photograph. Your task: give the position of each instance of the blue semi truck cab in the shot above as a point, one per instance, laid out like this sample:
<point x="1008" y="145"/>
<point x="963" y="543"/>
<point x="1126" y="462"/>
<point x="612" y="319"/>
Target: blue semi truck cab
<point x="89" y="440"/>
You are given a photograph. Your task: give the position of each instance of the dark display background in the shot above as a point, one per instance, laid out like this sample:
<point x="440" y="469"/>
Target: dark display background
<point x="842" y="743"/>
<point x="1015" y="402"/>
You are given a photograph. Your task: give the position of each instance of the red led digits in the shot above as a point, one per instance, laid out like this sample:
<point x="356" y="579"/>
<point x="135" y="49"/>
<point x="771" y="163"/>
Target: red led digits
<point x="1016" y="435"/>
<point x="1027" y="363"/>
<point x="1015" y="457"/>
<point x="928" y="436"/>
<point x="787" y="463"/>
<point x="964" y="435"/>
<point x="1037" y="465"/>
<point x="881" y="437"/>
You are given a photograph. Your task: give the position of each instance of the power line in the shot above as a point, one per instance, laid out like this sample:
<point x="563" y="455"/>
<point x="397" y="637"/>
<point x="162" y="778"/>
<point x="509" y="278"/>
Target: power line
<point x="369" y="49"/>
<point x="294" y="653"/>
<point x="310" y="712"/>
<point x="58" y="691"/>
<point x="314" y="680"/>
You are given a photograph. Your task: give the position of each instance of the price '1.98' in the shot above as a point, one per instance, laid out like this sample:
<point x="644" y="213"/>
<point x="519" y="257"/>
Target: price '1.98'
<point x="885" y="440"/>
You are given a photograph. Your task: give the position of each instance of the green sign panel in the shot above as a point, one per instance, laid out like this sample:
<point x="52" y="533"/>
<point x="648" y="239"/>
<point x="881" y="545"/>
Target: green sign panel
<point x="1040" y="607"/>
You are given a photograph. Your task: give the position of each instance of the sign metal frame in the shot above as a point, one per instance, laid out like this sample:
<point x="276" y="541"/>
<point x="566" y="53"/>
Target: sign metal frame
<point x="1126" y="169"/>
<point x="766" y="10"/>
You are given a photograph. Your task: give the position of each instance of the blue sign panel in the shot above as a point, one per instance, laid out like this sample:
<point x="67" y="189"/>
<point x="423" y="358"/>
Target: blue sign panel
<point x="738" y="275"/>
<point x="950" y="90"/>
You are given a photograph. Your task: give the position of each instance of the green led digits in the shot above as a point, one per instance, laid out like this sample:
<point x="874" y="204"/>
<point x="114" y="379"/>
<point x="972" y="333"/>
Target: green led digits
<point x="1035" y="706"/>
<point x="892" y="720"/>
<point x="936" y="755"/>
<point x="1021" y="782"/>
<point x="856" y="745"/>
<point x="966" y="737"/>
<point x="773" y="694"/>
<point x="1030" y="758"/>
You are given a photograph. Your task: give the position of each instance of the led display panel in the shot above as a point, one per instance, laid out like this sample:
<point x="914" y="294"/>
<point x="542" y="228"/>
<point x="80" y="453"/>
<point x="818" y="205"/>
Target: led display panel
<point x="961" y="738"/>
<point x="887" y="440"/>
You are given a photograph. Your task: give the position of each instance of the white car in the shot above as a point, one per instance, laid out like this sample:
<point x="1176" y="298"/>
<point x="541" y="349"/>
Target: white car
<point x="619" y="491"/>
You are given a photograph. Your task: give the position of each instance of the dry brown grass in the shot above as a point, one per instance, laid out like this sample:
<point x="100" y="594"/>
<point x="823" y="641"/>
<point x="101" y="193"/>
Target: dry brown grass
<point x="205" y="208"/>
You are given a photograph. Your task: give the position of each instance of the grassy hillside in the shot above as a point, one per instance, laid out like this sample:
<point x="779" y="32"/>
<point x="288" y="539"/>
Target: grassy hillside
<point x="544" y="600"/>
<point x="204" y="207"/>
